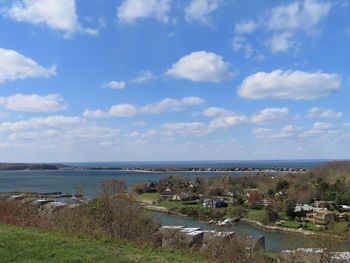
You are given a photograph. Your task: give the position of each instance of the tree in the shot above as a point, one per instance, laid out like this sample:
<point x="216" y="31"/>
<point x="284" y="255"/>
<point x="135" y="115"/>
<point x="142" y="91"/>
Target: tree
<point x="271" y="215"/>
<point x="282" y="185"/>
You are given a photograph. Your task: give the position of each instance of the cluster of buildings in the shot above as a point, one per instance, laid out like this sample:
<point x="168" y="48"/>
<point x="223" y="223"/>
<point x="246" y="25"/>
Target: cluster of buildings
<point x="47" y="203"/>
<point x="197" y="239"/>
<point x="322" y="212"/>
<point x="313" y="255"/>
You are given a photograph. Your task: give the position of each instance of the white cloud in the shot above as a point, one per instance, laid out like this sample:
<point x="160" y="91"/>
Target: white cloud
<point x="58" y="15"/>
<point x="299" y="16"/>
<point x="228" y="121"/>
<point x="270" y="115"/>
<point x="296" y="85"/>
<point x="171" y="105"/>
<point x="323" y="113"/>
<point x="322" y="126"/>
<point x="14" y="65"/>
<point x="33" y="103"/>
<point x="241" y="43"/>
<point x="144" y="76"/>
<point x="131" y="10"/>
<point x="245" y="27"/>
<point x="114" y="85"/>
<point x="184" y="128"/>
<point x="37" y="123"/>
<point x="129" y="110"/>
<point x="288" y="131"/>
<point x="119" y="110"/>
<point x="216" y="112"/>
<point x="281" y="42"/>
<point x="200" y="66"/>
<point x="200" y="10"/>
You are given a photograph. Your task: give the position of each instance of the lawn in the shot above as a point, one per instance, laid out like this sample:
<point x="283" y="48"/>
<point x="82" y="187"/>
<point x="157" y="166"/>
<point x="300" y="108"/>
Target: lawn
<point x="256" y="214"/>
<point x="31" y="245"/>
<point x="148" y="196"/>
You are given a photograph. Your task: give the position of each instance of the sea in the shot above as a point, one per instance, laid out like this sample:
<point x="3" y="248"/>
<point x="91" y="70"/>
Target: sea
<point x="68" y="181"/>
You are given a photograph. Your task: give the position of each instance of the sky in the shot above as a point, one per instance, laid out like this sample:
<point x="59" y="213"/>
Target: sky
<point x="156" y="80"/>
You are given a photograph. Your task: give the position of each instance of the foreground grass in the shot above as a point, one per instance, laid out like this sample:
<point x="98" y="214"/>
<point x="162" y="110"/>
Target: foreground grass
<point x="32" y="245"/>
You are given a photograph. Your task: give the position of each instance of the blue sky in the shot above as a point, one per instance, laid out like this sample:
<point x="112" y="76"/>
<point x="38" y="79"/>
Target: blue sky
<point x="137" y="80"/>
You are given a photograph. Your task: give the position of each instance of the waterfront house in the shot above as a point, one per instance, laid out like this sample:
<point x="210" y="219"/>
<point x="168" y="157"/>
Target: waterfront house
<point x="313" y="255"/>
<point x="322" y="217"/>
<point x="325" y="204"/>
<point x="167" y="193"/>
<point x="254" y="197"/>
<point x="212" y="203"/>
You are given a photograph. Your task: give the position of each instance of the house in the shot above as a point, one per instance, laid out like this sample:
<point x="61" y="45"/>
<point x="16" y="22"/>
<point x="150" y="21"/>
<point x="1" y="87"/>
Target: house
<point x="189" y="196"/>
<point x="322" y="217"/>
<point x="254" y="197"/>
<point x="212" y="203"/>
<point x="325" y="204"/>
<point x="209" y="203"/>
<point x="167" y="193"/>
<point x="312" y="255"/>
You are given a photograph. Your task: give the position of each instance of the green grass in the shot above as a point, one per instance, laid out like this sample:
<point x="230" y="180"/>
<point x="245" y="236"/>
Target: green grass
<point x="148" y="196"/>
<point x="171" y="204"/>
<point x="31" y="245"/>
<point x="256" y="214"/>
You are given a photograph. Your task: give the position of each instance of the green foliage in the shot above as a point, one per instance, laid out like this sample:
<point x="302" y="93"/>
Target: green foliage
<point x="271" y="215"/>
<point x="282" y="185"/>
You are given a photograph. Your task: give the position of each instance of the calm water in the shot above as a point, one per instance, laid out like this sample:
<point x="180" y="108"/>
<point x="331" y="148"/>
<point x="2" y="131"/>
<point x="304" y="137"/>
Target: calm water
<point x="67" y="181"/>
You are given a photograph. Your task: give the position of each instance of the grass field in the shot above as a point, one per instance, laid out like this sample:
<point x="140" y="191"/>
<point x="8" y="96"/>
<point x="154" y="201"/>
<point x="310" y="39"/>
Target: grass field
<point x="148" y="197"/>
<point x="256" y="214"/>
<point x="31" y="245"/>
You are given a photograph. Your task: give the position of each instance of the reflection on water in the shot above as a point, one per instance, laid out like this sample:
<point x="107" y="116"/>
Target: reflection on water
<point x="274" y="241"/>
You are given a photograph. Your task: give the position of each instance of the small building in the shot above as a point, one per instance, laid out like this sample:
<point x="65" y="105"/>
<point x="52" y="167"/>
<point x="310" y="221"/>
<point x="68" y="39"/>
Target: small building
<point x="167" y="193"/>
<point x="324" y="204"/>
<point x="254" y="197"/>
<point x="323" y="217"/>
<point x="313" y="255"/>
<point x="212" y="203"/>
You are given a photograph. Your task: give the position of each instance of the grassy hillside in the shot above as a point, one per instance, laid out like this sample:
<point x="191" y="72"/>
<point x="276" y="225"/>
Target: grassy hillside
<point x="31" y="245"/>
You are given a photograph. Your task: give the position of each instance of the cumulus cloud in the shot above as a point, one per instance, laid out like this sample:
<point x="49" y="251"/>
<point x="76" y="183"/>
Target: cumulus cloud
<point x="228" y="121"/>
<point x="245" y="27"/>
<point x="37" y="123"/>
<point x="297" y="85"/>
<point x="216" y="112"/>
<point x="119" y="110"/>
<point x="322" y="126"/>
<point x="200" y="66"/>
<point x="317" y="112"/>
<point x="282" y="42"/>
<point x="114" y="85"/>
<point x="14" y="65"/>
<point x="184" y="128"/>
<point x="129" y="110"/>
<point x="287" y="20"/>
<point x="33" y="103"/>
<point x="144" y="76"/>
<point x="58" y="15"/>
<point x="200" y="10"/>
<point x="172" y="105"/>
<point x="299" y="15"/>
<point x="270" y="115"/>
<point x="132" y="10"/>
<point x="288" y="131"/>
